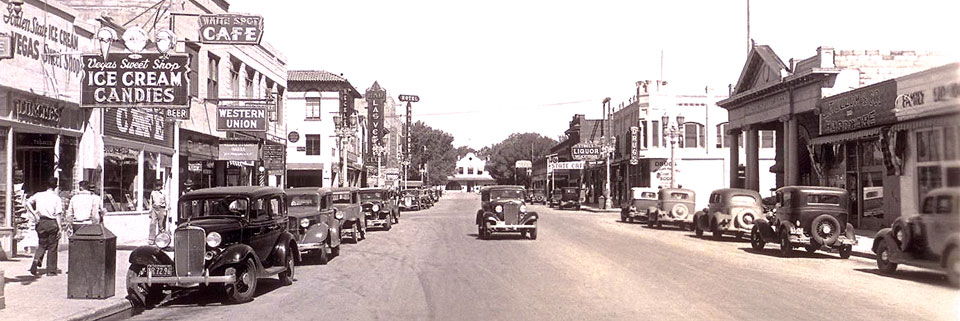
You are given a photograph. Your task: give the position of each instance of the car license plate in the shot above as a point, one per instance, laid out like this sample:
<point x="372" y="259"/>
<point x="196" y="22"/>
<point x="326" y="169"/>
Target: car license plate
<point x="160" y="270"/>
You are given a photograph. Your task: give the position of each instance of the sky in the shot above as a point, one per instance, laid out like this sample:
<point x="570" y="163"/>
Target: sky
<point x="486" y="69"/>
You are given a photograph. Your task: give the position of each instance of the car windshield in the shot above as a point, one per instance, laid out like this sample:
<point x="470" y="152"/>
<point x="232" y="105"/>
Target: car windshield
<point x="307" y="200"/>
<point x="213" y="206"/>
<point x="640" y="194"/>
<point x="341" y="198"/>
<point x="570" y="191"/>
<point x="679" y="196"/>
<point x="371" y="196"/>
<point x="823" y="199"/>
<point x="743" y="200"/>
<point x="505" y="194"/>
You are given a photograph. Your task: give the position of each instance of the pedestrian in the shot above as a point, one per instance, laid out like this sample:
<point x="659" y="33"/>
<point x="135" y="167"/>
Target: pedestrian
<point x="187" y="186"/>
<point x="46" y="207"/>
<point x="158" y="211"/>
<point x="85" y="207"/>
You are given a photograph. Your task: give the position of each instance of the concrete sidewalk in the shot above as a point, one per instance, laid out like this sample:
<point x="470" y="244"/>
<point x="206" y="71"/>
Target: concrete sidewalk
<point x="595" y="208"/>
<point x="45" y="297"/>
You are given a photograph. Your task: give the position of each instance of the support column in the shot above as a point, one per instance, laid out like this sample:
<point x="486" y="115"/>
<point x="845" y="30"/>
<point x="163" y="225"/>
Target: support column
<point x="791" y="169"/>
<point x="779" y="154"/>
<point x="752" y="162"/>
<point x="734" y="137"/>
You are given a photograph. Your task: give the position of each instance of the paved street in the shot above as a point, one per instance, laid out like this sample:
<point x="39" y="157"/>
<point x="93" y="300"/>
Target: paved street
<point x="583" y="266"/>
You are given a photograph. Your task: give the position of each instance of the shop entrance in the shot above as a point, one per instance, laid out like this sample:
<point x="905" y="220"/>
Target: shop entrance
<point x="35" y="157"/>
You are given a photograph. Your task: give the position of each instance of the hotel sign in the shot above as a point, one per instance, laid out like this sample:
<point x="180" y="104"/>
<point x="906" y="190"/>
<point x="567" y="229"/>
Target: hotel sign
<point x="859" y="108"/>
<point x="149" y="80"/>
<point x="231" y="29"/>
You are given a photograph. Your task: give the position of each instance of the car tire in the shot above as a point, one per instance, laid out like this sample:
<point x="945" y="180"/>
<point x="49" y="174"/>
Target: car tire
<point x="650" y="222"/>
<point x="682" y="226"/>
<point x="717" y="233"/>
<point x="289" y="262"/>
<point x="242" y="291"/>
<point x="821" y="223"/>
<point x="756" y="240"/>
<point x="786" y="249"/>
<point x="355" y="233"/>
<point x="845" y="251"/>
<point x="812" y="247"/>
<point x="953" y="267"/>
<point x="147" y="296"/>
<point x="623" y="217"/>
<point x="883" y="259"/>
<point x="697" y="229"/>
<point x="533" y="233"/>
<point x="387" y="225"/>
<point x="322" y="257"/>
<point x="335" y="251"/>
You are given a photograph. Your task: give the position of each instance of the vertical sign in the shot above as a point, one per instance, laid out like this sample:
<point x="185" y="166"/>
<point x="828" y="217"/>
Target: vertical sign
<point x="634" y="138"/>
<point x="406" y="128"/>
<point x="376" y="98"/>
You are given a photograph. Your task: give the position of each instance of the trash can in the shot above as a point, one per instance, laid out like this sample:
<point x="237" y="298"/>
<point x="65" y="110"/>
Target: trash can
<point x="92" y="267"/>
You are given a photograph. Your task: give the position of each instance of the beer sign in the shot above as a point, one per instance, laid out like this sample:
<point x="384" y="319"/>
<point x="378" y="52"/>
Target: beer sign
<point x="242" y="118"/>
<point x="231" y="29"/>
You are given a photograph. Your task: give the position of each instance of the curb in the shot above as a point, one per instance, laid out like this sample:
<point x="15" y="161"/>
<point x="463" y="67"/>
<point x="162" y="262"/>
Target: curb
<point x="118" y="306"/>
<point x="596" y="210"/>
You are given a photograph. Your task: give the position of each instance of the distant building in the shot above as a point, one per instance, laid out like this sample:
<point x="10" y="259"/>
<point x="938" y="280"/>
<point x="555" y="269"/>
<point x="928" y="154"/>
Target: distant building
<point x="470" y="174"/>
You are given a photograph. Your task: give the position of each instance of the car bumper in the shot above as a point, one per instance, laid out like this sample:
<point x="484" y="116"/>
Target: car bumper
<point x="667" y="219"/>
<point x="305" y="247"/>
<point x="184" y="280"/>
<point x="635" y="214"/>
<point x="511" y="227"/>
<point x="841" y="241"/>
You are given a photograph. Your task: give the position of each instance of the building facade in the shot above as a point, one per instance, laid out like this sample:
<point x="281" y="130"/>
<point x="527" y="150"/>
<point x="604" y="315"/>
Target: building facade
<point x="470" y="174"/>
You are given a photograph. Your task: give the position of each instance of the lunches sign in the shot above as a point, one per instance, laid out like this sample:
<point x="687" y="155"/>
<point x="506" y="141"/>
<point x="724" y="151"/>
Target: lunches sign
<point x="242" y="118"/>
<point x="127" y="80"/>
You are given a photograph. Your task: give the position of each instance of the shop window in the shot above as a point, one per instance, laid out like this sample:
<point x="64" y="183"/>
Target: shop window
<point x="767" y="138"/>
<point x="470" y="170"/>
<point x="693" y="136"/>
<point x="723" y="140"/>
<point x="235" y="78"/>
<point x="642" y="132"/>
<point x="313" y="109"/>
<point x="313" y="144"/>
<point x="951" y="143"/>
<point x="213" y="78"/>
<point x="928" y="178"/>
<point x="249" y="83"/>
<point x="120" y="185"/>
<point x="655" y="132"/>
<point x="460" y="170"/>
<point x="928" y="145"/>
<point x="953" y="176"/>
<point x="193" y="73"/>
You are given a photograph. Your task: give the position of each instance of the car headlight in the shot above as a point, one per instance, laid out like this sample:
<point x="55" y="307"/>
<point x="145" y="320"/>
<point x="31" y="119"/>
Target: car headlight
<point x="304" y="222"/>
<point x="523" y="208"/>
<point x="338" y="215"/>
<point x="375" y="207"/>
<point x="499" y="208"/>
<point x="162" y="240"/>
<point x="214" y="239"/>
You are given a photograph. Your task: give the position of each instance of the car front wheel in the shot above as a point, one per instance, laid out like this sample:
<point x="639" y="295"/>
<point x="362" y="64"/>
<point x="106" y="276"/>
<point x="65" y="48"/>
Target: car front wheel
<point x="883" y="259"/>
<point x="242" y="290"/>
<point x="953" y="267"/>
<point x="697" y="230"/>
<point x="756" y="240"/>
<point x="287" y="276"/>
<point x="146" y="295"/>
<point x="717" y="233"/>
<point x="786" y="249"/>
<point x="533" y="233"/>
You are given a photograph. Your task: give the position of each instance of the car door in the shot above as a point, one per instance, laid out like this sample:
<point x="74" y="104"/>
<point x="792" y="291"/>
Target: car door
<point x="265" y="225"/>
<point x="938" y="218"/>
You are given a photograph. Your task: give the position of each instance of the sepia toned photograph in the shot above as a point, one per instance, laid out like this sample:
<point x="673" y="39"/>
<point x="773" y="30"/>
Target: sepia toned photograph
<point x="493" y="160"/>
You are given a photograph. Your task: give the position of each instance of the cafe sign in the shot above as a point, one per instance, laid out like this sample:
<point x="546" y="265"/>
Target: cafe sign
<point x="565" y="165"/>
<point x="149" y="80"/>
<point x="231" y="29"/>
<point x="242" y="118"/>
<point x="932" y="92"/>
<point x="858" y="109"/>
<point x="138" y="125"/>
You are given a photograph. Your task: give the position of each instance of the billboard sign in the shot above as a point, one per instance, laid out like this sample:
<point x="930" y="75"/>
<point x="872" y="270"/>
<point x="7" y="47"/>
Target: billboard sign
<point x="146" y="80"/>
<point x="231" y="29"/>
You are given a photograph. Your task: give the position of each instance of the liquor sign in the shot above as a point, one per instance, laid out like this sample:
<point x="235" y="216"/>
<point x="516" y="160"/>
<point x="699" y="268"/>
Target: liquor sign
<point x="238" y="150"/>
<point x="231" y="29"/>
<point x="6" y="46"/>
<point x="859" y="108"/>
<point x="586" y="152"/>
<point x="409" y="98"/>
<point x="273" y="156"/>
<point x="242" y="118"/>
<point x="138" y="125"/>
<point x="634" y="151"/>
<point x="931" y="92"/>
<point x="151" y="80"/>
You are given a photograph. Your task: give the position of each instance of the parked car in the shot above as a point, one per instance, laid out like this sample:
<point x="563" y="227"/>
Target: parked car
<point x="539" y="196"/>
<point x="813" y="217"/>
<point x="379" y="207"/>
<point x="502" y="210"/>
<point x="411" y="200"/>
<point x="555" y="198"/>
<point x="314" y="222"/>
<point x="929" y="240"/>
<point x="347" y="200"/>
<point x="637" y="206"/>
<point x="425" y="199"/>
<point x="674" y="206"/>
<point x="569" y="198"/>
<point x="227" y="236"/>
<point x="731" y="211"/>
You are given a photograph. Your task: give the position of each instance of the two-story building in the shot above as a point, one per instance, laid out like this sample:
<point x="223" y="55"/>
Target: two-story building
<point x="470" y="174"/>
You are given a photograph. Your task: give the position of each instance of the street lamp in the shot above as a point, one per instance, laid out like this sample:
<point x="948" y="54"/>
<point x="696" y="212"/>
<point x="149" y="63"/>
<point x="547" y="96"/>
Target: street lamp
<point x="344" y="129"/>
<point x="675" y="134"/>
<point x="607" y="150"/>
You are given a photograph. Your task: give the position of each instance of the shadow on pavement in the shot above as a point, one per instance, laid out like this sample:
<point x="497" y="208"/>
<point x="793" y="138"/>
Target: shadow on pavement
<point x="312" y="258"/>
<point x="22" y="279"/>
<point x="925" y="277"/>
<point x="726" y="238"/>
<point x="499" y="236"/>
<point x="797" y="253"/>
<point x="214" y="296"/>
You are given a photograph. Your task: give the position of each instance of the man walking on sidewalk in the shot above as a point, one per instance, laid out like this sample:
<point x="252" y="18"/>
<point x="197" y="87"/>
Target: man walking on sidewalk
<point x="46" y="207"/>
<point x="158" y="212"/>
<point x="85" y="207"/>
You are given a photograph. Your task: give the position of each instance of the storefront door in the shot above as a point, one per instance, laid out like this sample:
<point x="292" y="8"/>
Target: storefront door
<point x="35" y="157"/>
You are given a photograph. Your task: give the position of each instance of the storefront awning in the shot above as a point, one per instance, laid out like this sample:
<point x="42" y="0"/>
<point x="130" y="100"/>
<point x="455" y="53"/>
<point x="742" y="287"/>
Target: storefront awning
<point x="305" y="166"/>
<point x="927" y="123"/>
<point x="843" y="137"/>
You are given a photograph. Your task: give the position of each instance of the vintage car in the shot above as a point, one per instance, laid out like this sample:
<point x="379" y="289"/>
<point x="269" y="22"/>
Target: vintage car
<point x="674" y="206"/>
<point x="314" y="223"/>
<point x="502" y="210"/>
<point x="379" y="207"/>
<point x="539" y="196"/>
<point x="425" y="198"/>
<point x="635" y="208"/>
<point x="353" y="223"/>
<point x="569" y="198"/>
<point x="555" y="198"/>
<point x="228" y="236"/>
<point x="410" y="200"/>
<point x="731" y="211"/>
<point x="813" y="217"/>
<point x="929" y="240"/>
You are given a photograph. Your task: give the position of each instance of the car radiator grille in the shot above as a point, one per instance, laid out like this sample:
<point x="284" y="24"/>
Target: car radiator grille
<point x="188" y="246"/>
<point x="511" y="212"/>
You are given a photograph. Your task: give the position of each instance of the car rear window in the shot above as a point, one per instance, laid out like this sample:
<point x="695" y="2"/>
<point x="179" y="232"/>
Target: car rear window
<point x="644" y="195"/>
<point x="367" y="196"/>
<point x="302" y="201"/>
<point x="823" y="199"/>
<point x="745" y="200"/>
<point x="341" y="198"/>
<point x="679" y="196"/>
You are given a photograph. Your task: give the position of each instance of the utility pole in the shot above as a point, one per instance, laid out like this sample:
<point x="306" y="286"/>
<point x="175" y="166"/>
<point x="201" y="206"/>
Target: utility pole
<point x="606" y="152"/>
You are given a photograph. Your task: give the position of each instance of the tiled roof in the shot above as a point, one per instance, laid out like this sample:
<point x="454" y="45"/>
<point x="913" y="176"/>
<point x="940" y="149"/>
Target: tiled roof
<point x="312" y="75"/>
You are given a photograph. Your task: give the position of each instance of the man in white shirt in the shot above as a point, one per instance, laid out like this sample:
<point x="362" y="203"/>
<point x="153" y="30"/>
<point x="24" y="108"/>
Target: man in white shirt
<point x="85" y="207"/>
<point x="158" y="211"/>
<point x="46" y="207"/>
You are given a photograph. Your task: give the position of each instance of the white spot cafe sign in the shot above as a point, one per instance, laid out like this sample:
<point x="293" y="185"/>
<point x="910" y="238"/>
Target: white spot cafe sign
<point x="127" y="80"/>
<point x="231" y="29"/>
<point x="242" y="118"/>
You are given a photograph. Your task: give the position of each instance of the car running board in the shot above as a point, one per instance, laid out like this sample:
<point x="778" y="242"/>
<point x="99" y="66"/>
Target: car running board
<point x="274" y="270"/>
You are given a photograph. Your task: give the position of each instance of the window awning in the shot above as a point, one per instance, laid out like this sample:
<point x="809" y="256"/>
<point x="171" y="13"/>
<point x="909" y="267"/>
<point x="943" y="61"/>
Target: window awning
<point x="927" y="122"/>
<point x="844" y="137"/>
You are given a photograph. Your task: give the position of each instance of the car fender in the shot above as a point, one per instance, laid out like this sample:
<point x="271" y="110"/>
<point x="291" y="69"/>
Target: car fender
<point x="334" y="236"/>
<point x="698" y="218"/>
<point x="233" y="254"/>
<point x="286" y="239"/>
<point x="149" y="254"/>
<point x="765" y="229"/>
<point x="785" y="225"/>
<point x="530" y="217"/>
<point x="490" y="216"/>
<point x="884" y="235"/>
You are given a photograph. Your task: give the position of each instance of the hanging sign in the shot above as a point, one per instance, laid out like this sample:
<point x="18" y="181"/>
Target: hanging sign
<point x="241" y="118"/>
<point x="586" y="151"/>
<point x="231" y="29"/>
<point x="273" y="156"/>
<point x="634" y="151"/>
<point x="565" y="165"/>
<point x="137" y="125"/>
<point x="143" y="80"/>
<point x="859" y="108"/>
<point x="238" y="150"/>
<point x="173" y="113"/>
